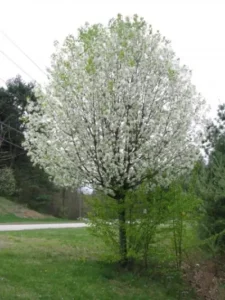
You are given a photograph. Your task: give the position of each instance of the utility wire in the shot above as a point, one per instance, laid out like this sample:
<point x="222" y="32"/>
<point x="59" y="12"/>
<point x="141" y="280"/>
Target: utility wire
<point x="10" y="59"/>
<point x="15" y="145"/>
<point x="24" y="53"/>
<point x="6" y="125"/>
<point x="2" y="139"/>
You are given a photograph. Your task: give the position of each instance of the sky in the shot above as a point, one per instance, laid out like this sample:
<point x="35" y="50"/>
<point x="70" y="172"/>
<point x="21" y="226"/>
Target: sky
<point x="195" y="28"/>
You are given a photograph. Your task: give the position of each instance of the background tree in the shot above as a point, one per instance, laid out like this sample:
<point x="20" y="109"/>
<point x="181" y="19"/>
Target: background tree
<point x="119" y="108"/>
<point x="13" y="100"/>
<point x="212" y="182"/>
<point x="16" y="167"/>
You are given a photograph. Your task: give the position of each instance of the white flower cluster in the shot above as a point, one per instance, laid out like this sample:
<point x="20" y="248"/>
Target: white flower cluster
<point x="117" y="105"/>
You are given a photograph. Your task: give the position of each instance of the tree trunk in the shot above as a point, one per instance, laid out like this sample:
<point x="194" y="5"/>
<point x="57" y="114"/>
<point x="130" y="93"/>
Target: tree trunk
<point x="123" y="236"/>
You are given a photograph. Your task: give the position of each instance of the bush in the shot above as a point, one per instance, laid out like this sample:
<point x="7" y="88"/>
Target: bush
<point x="7" y="182"/>
<point x="163" y="220"/>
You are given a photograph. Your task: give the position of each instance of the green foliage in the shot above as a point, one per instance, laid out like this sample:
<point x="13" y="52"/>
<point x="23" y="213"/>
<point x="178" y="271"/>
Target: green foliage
<point x="7" y="182"/>
<point x="13" y="100"/>
<point x="103" y="216"/>
<point x="184" y="217"/>
<point x="211" y="184"/>
<point x="146" y="211"/>
<point x="161" y="223"/>
<point x="33" y="186"/>
<point x="35" y="189"/>
<point x="161" y="230"/>
<point x="215" y="140"/>
<point x="213" y="193"/>
<point x="40" y="202"/>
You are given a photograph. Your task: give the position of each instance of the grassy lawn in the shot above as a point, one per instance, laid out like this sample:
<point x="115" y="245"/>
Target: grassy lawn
<point x="66" y="264"/>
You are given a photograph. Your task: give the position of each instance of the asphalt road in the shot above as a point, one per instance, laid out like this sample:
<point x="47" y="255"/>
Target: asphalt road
<point x="18" y="227"/>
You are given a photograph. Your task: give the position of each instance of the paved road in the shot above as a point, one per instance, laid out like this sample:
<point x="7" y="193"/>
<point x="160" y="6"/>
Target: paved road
<point x="18" y="227"/>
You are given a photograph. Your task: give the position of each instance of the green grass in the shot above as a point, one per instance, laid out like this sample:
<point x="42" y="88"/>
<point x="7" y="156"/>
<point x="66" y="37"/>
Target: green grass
<point x="66" y="264"/>
<point x="10" y="218"/>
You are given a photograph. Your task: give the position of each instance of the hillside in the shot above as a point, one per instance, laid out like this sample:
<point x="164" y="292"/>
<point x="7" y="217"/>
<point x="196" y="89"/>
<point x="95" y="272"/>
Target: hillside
<point x="14" y="212"/>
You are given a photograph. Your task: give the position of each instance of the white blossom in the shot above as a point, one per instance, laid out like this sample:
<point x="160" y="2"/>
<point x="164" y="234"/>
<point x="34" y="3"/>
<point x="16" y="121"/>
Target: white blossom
<point x="118" y="105"/>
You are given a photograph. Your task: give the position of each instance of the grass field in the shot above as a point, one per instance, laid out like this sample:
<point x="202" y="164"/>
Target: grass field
<point x="66" y="264"/>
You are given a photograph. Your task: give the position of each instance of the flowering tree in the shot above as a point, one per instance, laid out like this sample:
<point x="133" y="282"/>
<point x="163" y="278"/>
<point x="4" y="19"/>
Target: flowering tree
<point x="118" y="108"/>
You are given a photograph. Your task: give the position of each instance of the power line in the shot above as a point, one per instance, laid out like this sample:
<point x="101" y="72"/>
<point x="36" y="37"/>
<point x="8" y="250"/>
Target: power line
<point x="4" y="124"/>
<point x="14" y="155"/>
<point x="2" y="139"/>
<point x="15" y="145"/>
<point x="26" y="55"/>
<point x="10" y="59"/>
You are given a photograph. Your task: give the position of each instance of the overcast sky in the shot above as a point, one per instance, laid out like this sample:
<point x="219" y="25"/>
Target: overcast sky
<point x="195" y="27"/>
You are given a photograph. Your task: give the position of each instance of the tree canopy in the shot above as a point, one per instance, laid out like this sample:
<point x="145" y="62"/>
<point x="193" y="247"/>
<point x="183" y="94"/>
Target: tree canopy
<point x="119" y="107"/>
<point x="13" y="100"/>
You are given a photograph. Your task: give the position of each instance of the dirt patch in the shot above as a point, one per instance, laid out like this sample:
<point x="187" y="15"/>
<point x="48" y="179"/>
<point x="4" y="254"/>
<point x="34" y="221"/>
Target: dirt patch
<point x="207" y="279"/>
<point x="30" y="214"/>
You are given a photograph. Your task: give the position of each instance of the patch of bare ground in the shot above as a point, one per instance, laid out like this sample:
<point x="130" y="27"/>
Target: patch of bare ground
<point x="207" y="278"/>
